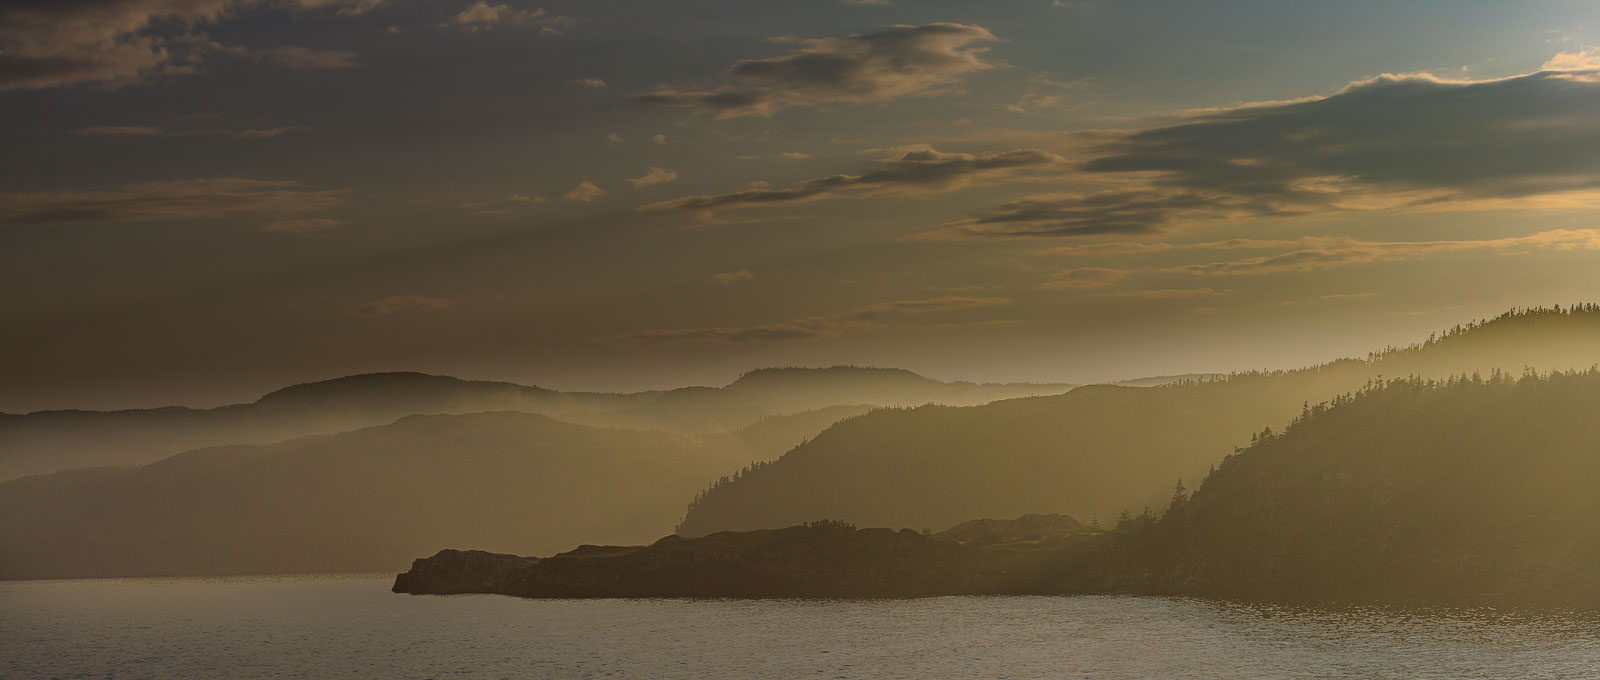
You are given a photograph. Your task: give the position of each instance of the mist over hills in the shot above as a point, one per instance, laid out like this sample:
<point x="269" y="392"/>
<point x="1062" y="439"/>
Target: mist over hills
<point x="50" y="441"/>
<point x="1475" y="488"/>
<point x="1471" y="491"/>
<point x="791" y="389"/>
<point x="509" y="480"/>
<point x="1096" y="450"/>
<point x="374" y="498"/>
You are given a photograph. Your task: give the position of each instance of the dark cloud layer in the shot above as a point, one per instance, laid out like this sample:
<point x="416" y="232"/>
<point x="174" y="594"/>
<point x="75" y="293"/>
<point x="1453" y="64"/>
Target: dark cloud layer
<point x="1412" y="142"/>
<point x="894" y="62"/>
<point x="1305" y="254"/>
<point x="165" y="200"/>
<point x="919" y="169"/>
<point x="54" y="43"/>
<point x="153" y="131"/>
<point x="1321" y="254"/>
<point x="1124" y="211"/>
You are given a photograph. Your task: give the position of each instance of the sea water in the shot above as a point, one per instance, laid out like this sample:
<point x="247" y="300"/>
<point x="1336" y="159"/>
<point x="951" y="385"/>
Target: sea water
<point x="353" y="627"/>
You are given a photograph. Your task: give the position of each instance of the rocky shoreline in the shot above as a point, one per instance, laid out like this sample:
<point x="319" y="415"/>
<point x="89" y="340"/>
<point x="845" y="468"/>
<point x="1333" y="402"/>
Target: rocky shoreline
<point x="819" y="560"/>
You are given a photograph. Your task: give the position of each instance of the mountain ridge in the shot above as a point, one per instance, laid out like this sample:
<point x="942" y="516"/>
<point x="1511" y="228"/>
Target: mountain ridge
<point x="1470" y="491"/>
<point x="1095" y="450"/>
<point x="46" y="441"/>
<point x="365" y="500"/>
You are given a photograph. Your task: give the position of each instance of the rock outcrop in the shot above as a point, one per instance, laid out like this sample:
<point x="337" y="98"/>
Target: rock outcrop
<point x="819" y="560"/>
<point x="1026" y="527"/>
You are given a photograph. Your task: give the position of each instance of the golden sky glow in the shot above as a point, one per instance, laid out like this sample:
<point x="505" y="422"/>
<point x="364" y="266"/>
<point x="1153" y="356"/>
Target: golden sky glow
<point x="205" y="200"/>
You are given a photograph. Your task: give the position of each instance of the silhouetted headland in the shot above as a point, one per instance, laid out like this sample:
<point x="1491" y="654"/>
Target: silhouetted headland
<point x="822" y="559"/>
<point x="1472" y="490"/>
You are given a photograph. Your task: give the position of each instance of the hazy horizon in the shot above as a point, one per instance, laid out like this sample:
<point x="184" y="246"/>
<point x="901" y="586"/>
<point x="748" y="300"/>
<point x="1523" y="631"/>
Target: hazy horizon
<point x="204" y="201"/>
<point x="234" y="390"/>
<point x="1274" y="323"/>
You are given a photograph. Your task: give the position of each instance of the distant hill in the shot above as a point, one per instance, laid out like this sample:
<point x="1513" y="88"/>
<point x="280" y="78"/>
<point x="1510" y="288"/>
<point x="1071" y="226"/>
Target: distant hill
<point x="1477" y="489"/>
<point x="50" y="441"/>
<point x="822" y="559"/>
<point x="372" y="499"/>
<point x="1471" y="491"/>
<point x="1026" y="527"/>
<point x="1154" y="381"/>
<point x="799" y="389"/>
<point x="769" y="437"/>
<point x="1096" y="450"/>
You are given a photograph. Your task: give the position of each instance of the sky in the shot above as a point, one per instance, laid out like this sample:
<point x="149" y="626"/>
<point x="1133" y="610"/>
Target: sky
<point x="204" y="200"/>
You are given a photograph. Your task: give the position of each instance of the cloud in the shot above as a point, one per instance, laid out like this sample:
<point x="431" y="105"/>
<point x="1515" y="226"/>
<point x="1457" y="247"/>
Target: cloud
<point x="947" y="303"/>
<point x="401" y="304"/>
<point x="149" y="131"/>
<point x="793" y="156"/>
<point x="920" y="169"/>
<point x="302" y="58"/>
<point x="122" y="131"/>
<point x="1124" y="211"/>
<point x="122" y="42"/>
<point x="1147" y="247"/>
<point x="1085" y="278"/>
<point x="304" y="225"/>
<point x="1334" y="297"/>
<point x="1306" y="254"/>
<point x="589" y="83"/>
<point x="1394" y="142"/>
<point x="869" y="317"/>
<point x="809" y="328"/>
<point x="501" y="206"/>
<point x="199" y="46"/>
<point x="726" y="278"/>
<point x="1033" y="103"/>
<point x="1169" y="293"/>
<point x="165" y="200"/>
<point x="1586" y="59"/>
<point x="614" y="138"/>
<point x="654" y="176"/>
<point x="1317" y="254"/>
<point x="659" y="139"/>
<point x="585" y="192"/>
<point x="481" y="16"/>
<point x="895" y="62"/>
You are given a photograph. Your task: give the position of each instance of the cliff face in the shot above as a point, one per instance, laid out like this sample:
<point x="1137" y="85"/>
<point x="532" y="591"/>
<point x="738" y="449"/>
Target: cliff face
<point x="823" y="560"/>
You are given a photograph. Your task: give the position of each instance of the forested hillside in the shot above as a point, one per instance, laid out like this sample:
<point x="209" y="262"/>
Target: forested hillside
<point x="1473" y="491"/>
<point x="1471" y="488"/>
<point x="1096" y="450"/>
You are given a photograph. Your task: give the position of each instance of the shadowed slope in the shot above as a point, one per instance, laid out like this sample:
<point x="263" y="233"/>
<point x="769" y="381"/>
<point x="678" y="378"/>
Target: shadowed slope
<point x="1474" y="489"/>
<point x="1468" y="492"/>
<point x="365" y="500"/>
<point x="1096" y="450"/>
<point x="49" y="441"/>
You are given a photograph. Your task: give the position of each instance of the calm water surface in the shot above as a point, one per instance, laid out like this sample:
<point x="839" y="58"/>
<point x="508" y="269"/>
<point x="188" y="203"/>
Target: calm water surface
<point x="352" y="627"/>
